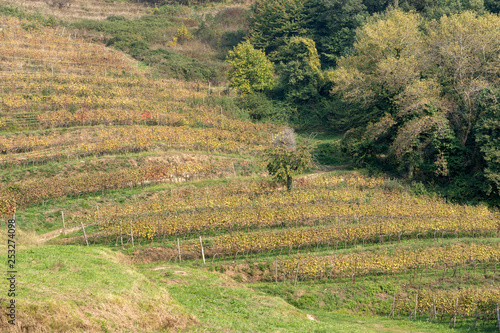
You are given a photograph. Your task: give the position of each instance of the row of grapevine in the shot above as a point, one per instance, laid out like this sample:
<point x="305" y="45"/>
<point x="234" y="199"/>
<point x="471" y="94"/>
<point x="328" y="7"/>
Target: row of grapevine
<point x="338" y="227"/>
<point x="57" y="145"/>
<point x="346" y="195"/>
<point x="479" y="303"/>
<point x="25" y="48"/>
<point x="331" y="235"/>
<point x="341" y="209"/>
<point x="22" y="92"/>
<point x="170" y="114"/>
<point x="399" y="260"/>
<point x="31" y="191"/>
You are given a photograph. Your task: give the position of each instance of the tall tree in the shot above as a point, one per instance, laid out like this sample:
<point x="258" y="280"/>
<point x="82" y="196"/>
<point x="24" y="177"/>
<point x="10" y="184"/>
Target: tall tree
<point x="333" y="25"/>
<point x="487" y="131"/>
<point x="465" y="49"/>
<point x="250" y="69"/>
<point x="300" y="70"/>
<point x="272" y="22"/>
<point x="285" y="159"/>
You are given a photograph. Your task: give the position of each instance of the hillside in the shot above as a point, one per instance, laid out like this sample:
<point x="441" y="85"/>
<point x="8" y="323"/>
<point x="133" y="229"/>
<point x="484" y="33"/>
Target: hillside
<point x="68" y="289"/>
<point x="143" y="204"/>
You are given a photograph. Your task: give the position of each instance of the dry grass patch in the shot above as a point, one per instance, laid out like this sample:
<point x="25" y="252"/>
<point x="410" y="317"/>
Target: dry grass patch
<point x="84" y="9"/>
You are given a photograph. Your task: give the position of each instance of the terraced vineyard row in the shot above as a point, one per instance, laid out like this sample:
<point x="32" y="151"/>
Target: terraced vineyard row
<point x="479" y="303"/>
<point x="31" y="191"/>
<point x="399" y="260"/>
<point x="330" y="236"/>
<point x="354" y="196"/>
<point x="346" y="214"/>
<point x="23" y="49"/>
<point x="19" y="149"/>
<point x="60" y="92"/>
<point x="23" y="92"/>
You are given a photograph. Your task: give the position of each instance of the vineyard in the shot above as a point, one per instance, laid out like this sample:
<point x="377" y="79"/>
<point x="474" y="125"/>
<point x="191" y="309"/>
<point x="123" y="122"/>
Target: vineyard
<point x="98" y="151"/>
<point x="64" y="99"/>
<point x="334" y="229"/>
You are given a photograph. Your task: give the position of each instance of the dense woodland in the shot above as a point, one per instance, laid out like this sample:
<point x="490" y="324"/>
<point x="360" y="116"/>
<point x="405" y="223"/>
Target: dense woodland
<point x="413" y="86"/>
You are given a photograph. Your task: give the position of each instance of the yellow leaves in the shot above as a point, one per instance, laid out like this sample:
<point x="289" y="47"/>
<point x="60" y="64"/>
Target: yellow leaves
<point x="389" y="56"/>
<point x="396" y="34"/>
<point x="407" y="139"/>
<point x="460" y="302"/>
<point x="337" y="201"/>
<point x="418" y="96"/>
<point x="351" y="83"/>
<point x="136" y="137"/>
<point x="394" y="74"/>
<point x="374" y="131"/>
<point x="383" y="261"/>
<point x="65" y="54"/>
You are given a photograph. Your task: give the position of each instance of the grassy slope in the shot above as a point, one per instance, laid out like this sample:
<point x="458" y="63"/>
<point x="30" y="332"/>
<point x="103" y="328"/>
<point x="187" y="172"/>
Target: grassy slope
<point x="76" y="289"/>
<point x="80" y="289"/>
<point x="223" y="305"/>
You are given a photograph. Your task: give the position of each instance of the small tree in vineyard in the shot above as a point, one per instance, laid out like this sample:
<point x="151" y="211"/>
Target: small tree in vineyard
<point x="285" y="159"/>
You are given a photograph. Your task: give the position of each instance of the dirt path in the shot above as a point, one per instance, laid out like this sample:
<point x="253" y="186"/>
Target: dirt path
<point x="54" y="233"/>
<point x="325" y="169"/>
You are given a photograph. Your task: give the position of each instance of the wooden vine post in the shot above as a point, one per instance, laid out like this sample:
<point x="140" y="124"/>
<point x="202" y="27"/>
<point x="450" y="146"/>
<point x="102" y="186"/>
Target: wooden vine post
<point x="434" y="308"/>
<point x="179" y="249"/>
<point x="202" y="251"/>
<point x="121" y="234"/>
<point x="132" y="234"/>
<point x="393" y="306"/>
<point x="276" y="270"/>
<point x="416" y="305"/>
<point x="296" y="273"/>
<point x="84" y="234"/>
<point x="455" y="313"/>
<point x="498" y="318"/>
<point x="64" y="224"/>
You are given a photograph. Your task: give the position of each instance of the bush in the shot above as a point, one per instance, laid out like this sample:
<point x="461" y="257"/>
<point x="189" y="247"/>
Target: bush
<point x="393" y="185"/>
<point x="250" y="69"/>
<point x="260" y="108"/>
<point x="418" y="189"/>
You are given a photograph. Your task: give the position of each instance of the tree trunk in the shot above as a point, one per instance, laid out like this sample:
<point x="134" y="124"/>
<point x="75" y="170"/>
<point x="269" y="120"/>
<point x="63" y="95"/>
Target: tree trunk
<point x="289" y="183"/>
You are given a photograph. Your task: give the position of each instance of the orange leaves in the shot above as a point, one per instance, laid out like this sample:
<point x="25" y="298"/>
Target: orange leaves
<point x="7" y="205"/>
<point x="21" y="50"/>
<point x="32" y="191"/>
<point x="56" y="146"/>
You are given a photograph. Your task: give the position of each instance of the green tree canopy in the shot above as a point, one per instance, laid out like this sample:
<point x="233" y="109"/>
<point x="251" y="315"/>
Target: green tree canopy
<point x="300" y="70"/>
<point x="250" y="69"/>
<point x="487" y="131"/>
<point x="272" y="22"/>
<point x="285" y="159"/>
<point x="332" y="25"/>
<point x="429" y="81"/>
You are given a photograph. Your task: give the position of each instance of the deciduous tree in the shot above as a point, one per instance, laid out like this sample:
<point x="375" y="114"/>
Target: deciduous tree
<point x="250" y="69"/>
<point x="285" y="159"/>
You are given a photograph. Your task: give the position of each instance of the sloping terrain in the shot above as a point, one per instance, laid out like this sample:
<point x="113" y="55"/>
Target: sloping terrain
<point x="185" y="231"/>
